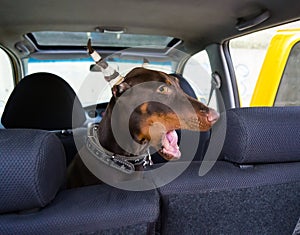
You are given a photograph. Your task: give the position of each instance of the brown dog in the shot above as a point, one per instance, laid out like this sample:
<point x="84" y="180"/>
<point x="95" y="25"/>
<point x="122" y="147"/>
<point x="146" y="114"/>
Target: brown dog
<point x="150" y="106"/>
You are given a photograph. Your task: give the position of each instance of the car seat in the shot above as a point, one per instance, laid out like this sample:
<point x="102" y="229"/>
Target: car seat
<point x="253" y="188"/>
<point x="35" y="201"/>
<point x="45" y="101"/>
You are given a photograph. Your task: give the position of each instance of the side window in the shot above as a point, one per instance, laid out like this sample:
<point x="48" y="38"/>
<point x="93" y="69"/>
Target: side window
<point x="197" y="72"/>
<point x="247" y="54"/>
<point x="288" y="93"/>
<point x="6" y="79"/>
<point x="264" y="75"/>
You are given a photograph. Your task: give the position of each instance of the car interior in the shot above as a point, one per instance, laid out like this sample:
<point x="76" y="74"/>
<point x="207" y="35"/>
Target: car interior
<point x="240" y="177"/>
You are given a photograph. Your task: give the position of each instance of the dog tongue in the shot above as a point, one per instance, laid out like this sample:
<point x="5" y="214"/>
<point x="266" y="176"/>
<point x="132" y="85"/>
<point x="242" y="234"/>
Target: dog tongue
<point x="170" y="144"/>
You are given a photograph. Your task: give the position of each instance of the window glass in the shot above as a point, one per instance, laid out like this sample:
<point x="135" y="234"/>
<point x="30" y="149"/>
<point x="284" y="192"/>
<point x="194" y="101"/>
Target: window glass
<point x="52" y="38"/>
<point x="248" y="54"/>
<point x="90" y="87"/>
<point x="197" y="72"/>
<point x="6" y="79"/>
<point x="288" y="93"/>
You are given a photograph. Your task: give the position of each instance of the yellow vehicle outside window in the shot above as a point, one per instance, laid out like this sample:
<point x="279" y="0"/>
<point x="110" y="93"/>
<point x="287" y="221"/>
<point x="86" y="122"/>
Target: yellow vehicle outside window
<point x="273" y="68"/>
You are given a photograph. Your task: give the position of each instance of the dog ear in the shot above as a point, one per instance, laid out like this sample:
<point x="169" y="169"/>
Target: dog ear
<point x="118" y="90"/>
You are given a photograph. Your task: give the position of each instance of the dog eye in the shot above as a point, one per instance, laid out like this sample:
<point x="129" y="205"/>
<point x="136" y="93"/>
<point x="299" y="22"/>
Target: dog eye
<point x="163" y="89"/>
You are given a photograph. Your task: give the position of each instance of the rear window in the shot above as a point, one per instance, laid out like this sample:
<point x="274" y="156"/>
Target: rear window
<point x="90" y="87"/>
<point x="150" y="51"/>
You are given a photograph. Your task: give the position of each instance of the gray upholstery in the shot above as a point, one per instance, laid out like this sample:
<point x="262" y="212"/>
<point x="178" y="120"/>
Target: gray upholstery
<point x="32" y="169"/>
<point x="232" y="200"/>
<point x="96" y="209"/>
<point x="34" y="201"/>
<point x="236" y="197"/>
<point x="261" y="198"/>
<point x="45" y="101"/>
<point x="262" y="135"/>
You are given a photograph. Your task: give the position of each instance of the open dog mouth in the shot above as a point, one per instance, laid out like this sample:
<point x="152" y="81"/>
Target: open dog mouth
<point x="170" y="149"/>
<point x="169" y="140"/>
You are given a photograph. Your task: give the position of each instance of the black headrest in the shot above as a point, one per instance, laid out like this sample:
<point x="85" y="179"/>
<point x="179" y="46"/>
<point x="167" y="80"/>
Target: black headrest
<point x="262" y="135"/>
<point x="185" y="86"/>
<point x="32" y="169"/>
<point x="43" y="101"/>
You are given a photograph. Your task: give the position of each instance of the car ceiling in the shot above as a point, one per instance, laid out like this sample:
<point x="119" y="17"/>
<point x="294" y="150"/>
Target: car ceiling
<point x="197" y="22"/>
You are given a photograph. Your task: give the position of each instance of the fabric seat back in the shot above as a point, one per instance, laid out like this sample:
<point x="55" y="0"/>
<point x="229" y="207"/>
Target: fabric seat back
<point x="254" y="187"/>
<point x="45" y="101"/>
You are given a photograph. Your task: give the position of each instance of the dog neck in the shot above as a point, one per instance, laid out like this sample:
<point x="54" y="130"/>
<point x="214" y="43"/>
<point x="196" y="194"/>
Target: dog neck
<point x="107" y="136"/>
<point x="120" y="162"/>
<point x="107" y="139"/>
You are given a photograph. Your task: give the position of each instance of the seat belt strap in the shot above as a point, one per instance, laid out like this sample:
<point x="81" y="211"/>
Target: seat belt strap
<point x="215" y="84"/>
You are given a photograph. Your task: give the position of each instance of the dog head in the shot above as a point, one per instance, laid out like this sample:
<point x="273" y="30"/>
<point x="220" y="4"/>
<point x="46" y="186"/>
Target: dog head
<point x="163" y="108"/>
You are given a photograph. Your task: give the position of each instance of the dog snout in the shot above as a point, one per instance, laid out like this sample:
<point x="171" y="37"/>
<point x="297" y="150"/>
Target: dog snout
<point x="213" y="116"/>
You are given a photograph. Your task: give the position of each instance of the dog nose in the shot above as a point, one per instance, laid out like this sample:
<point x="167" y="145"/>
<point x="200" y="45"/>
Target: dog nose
<point x="213" y="116"/>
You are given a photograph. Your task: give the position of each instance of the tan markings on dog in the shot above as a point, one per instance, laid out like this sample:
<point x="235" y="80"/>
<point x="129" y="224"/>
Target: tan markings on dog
<point x="144" y="108"/>
<point x="167" y="78"/>
<point x="171" y="121"/>
<point x="168" y="82"/>
<point x="159" y="124"/>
